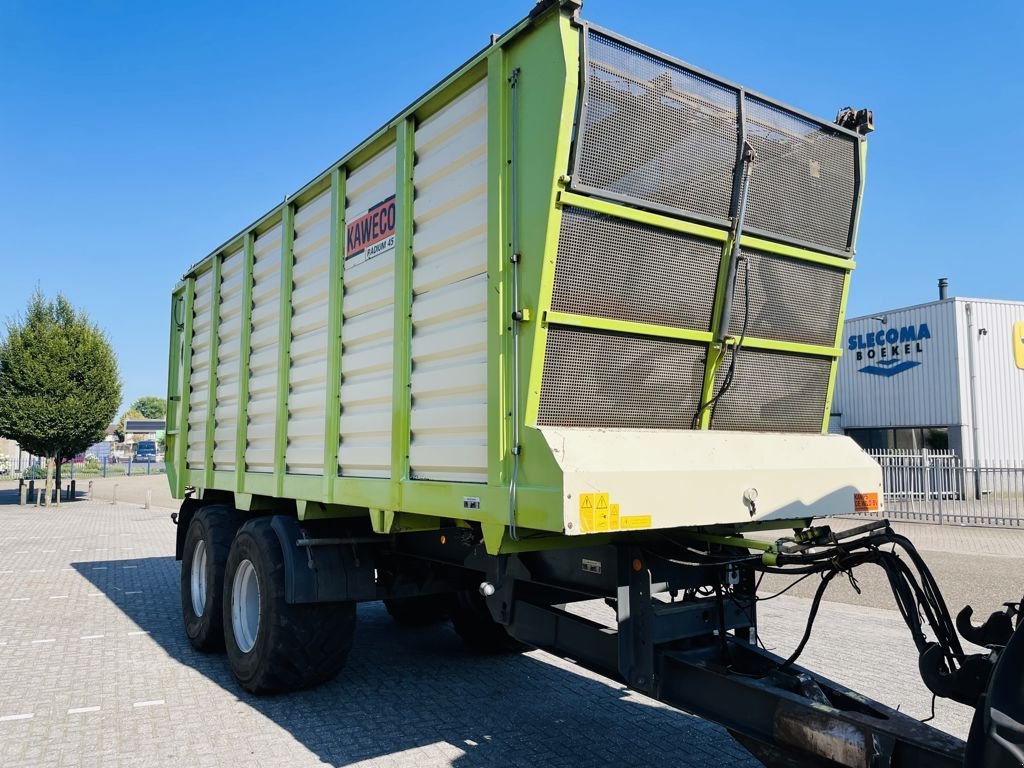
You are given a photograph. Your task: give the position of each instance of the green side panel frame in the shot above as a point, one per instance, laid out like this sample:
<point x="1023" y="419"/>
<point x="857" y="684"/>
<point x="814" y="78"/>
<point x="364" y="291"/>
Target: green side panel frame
<point x="181" y="441"/>
<point x="401" y="402"/>
<point x="242" y="428"/>
<point x="285" y="343"/>
<point x="211" y="401"/>
<point x="335" y="297"/>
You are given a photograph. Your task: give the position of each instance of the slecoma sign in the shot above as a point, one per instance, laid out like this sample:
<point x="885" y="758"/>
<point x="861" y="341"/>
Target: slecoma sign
<point x="888" y="349"/>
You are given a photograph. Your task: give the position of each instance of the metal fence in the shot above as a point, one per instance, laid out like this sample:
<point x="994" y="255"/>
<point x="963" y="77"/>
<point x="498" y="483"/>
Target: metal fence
<point x="938" y="487"/>
<point x="105" y="467"/>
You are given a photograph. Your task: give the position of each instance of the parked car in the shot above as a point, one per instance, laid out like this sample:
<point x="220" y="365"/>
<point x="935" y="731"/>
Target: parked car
<point x="146" y="450"/>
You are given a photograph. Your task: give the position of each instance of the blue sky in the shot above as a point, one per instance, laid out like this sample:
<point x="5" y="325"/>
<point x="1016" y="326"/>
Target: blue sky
<point x="135" y="137"/>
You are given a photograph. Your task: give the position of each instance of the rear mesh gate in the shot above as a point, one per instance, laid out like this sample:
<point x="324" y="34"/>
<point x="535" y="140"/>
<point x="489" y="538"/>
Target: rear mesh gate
<point x="659" y="135"/>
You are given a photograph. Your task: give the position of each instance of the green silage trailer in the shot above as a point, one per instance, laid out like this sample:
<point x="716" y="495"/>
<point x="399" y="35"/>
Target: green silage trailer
<point x="566" y="328"/>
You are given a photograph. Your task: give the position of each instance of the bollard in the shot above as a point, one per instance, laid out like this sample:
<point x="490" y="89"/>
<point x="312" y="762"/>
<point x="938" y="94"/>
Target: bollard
<point x="104" y="466"/>
<point x="115" y="494"/>
<point x="149" y="463"/>
<point x="88" y="492"/>
<point x="130" y="462"/>
<point x="22" y="495"/>
<point x="38" y="498"/>
<point x="149" y="498"/>
<point x="32" y="491"/>
<point x="57" y="494"/>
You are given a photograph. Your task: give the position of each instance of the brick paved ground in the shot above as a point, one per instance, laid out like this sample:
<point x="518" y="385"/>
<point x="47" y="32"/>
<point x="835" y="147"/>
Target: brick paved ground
<point x="95" y="670"/>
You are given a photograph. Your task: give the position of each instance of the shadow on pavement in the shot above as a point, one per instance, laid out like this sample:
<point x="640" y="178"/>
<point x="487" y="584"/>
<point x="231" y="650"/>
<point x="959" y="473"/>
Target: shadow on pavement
<point x="10" y="496"/>
<point x="407" y="689"/>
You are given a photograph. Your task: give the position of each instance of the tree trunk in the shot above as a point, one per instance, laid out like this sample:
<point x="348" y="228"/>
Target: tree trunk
<point x="58" y="461"/>
<point x="49" y="481"/>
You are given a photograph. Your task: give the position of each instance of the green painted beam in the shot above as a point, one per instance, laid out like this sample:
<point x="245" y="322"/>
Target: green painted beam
<point x="335" y="297"/>
<point x="284" y="344"/>
<point x="499" y="428"/>
<point x="641" y="216"/>
<point x="627" y="326"/>
<point x="211" y="401"/>
<point x="245" y="350"/>
<point x="186" y="389"/>
<point x="402" y="359"/>
<point x="795" y="347"/>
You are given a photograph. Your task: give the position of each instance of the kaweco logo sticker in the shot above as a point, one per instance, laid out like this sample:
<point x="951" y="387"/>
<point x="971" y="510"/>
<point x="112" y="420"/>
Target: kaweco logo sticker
<point x="373" y="233"/>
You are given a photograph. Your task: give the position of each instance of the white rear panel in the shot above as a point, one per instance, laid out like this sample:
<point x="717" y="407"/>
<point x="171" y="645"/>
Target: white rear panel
<point x="626" y="480"/>
<point x="367" y="334"/>
<point x="449" y="309"/>
<point x="264" y="345"/>
<point x="199" y="377"/>
<point x="307" y="375"/>
<point x="229" y="350"/>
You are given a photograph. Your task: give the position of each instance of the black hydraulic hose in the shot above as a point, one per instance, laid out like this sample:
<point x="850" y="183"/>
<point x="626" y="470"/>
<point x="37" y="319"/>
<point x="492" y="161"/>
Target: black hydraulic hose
<point x="825" y="581"/>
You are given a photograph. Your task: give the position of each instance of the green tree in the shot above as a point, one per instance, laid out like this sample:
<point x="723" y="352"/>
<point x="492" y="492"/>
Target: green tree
<point x="59" y="384"/>
<point x="151" y="407"/>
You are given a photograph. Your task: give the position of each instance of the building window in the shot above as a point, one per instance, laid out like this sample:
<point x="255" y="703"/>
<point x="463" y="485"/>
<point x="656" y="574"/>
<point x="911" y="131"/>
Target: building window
<point x="901" y="438"/>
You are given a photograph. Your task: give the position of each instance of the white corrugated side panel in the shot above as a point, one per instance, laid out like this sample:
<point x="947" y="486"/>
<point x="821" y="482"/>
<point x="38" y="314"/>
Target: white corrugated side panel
<point x="199" y="376"/>
<point x="1000" y="383"/>
<point x="367" y="334"/>
<point x="229" y="349"/>
<point x="449" y="308"/>
<point x="874" y="392"/>
<point x="307" y="375"/>
<point x="264" y="347"/>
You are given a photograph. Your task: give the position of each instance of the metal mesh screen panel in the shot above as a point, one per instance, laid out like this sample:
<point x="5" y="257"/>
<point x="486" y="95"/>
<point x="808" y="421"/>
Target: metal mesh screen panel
<point x="773" y="392"/>
<point x="804" y="181"/>
<point x="657" y="132"/>
<point x="610" y="267"/>
<point x="601" y="379"/>
<point x="790" y="300"/>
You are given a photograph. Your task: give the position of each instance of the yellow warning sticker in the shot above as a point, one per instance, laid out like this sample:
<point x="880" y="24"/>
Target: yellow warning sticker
<point x="634" y="522"/>
<point x="599" y="515"/>
<point x="601" y="512"/>
<point x="587" y="512"/>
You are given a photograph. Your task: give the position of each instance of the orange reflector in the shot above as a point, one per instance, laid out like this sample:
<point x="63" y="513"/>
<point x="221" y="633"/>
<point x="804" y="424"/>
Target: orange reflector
<point x="638" y="565"/>
<point x="443" y="539"/>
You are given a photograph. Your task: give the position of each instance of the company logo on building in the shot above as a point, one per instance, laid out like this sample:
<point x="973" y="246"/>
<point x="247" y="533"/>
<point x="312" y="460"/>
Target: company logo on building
<point x="890" y="351"/>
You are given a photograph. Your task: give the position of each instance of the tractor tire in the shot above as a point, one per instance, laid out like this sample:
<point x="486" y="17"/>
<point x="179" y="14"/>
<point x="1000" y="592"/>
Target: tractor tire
<point x="274" y="646"/>
<point x="203" y="556"/>
<point x="419" y="611"/>
<point x="479" y="632"/>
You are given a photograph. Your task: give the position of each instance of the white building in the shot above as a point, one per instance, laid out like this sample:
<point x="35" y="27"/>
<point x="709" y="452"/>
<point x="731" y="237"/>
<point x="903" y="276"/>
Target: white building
<point x="945" y="374"/>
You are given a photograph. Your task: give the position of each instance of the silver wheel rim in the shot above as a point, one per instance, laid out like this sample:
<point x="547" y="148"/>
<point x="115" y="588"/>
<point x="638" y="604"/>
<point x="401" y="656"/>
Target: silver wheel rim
<point x="198" y="578"/>
<point x="245" y="606"/>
